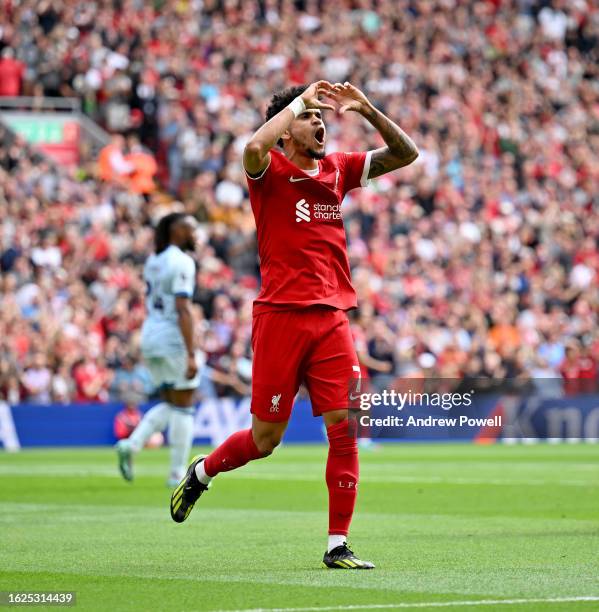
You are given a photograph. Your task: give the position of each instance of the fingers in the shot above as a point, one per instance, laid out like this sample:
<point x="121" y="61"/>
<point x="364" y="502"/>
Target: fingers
<point x="323" y="85"/>
<point x="346" y="87"/>
<point x="329" y="93"/>
<point x="349" y="87"/>
<point x="324" y="92"/>
<point x="335" y="91"/>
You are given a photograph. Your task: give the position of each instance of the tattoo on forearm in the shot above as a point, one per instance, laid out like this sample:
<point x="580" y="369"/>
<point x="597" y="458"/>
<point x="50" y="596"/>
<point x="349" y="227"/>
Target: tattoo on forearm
<point x="400" y="150"/>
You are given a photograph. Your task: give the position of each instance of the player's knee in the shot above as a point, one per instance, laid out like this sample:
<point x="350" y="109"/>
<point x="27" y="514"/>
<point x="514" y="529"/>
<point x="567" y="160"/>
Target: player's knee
<point x="267" y="442"/>
<point x="267" y="445"/>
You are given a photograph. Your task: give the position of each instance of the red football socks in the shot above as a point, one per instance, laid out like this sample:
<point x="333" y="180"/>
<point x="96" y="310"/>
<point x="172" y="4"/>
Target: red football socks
<point x="234" y="452"/>
<point x="342" y="476"/>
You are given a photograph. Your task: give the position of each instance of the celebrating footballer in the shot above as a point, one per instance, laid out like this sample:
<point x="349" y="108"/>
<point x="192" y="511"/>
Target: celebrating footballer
<point x="301" y="333"/>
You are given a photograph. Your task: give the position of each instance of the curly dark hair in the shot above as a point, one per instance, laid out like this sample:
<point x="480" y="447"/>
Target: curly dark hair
<point x="281" y="99"/>
<point x="162" y="233"/>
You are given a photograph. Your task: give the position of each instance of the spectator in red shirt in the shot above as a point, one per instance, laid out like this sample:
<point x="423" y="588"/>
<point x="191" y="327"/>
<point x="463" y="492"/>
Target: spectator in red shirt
<point x="127" y="420"/>
<point x="11" y="73"/>
<point x="98" y="242"/>
<point x="588" y="371"/>
<point x="579" y="370"/>
<point x="92" y="380"/>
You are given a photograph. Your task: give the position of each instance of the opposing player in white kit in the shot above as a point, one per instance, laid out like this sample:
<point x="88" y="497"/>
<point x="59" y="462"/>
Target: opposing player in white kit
<point x="167" y="345"/>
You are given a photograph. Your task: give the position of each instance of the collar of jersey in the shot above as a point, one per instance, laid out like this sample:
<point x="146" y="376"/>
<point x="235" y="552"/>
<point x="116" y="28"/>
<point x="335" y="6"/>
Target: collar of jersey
<point x="314" y="172"/>
<point x="311" y="173"/>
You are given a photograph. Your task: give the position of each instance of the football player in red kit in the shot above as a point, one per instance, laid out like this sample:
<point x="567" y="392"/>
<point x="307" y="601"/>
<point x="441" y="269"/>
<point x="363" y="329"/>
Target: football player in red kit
<point x="301" y="333"/>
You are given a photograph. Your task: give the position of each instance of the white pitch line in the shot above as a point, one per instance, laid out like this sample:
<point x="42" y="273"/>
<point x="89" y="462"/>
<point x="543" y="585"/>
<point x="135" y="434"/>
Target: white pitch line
<point x="110" y="472"/>
<point x="431" y="604"/>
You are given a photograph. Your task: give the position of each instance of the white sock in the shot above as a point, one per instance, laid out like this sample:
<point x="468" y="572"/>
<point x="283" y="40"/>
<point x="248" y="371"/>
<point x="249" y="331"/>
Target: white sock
<point x="180" y="439"/>
<point x="336" y="540"/>
<point x="155" y="419"/>
<point x="201" y="474"/>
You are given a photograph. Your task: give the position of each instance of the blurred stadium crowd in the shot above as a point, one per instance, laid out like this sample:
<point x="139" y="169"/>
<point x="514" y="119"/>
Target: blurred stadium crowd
<point x="481" y="259"/>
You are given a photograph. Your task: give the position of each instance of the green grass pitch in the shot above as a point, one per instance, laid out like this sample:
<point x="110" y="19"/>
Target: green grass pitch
<point x="448" y="526"/>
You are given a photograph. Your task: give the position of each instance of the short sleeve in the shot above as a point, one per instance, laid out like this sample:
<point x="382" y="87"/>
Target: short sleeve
<point x="356" y="167"/>
<point x="184" y="279"/>
<point x="261" y="175"/>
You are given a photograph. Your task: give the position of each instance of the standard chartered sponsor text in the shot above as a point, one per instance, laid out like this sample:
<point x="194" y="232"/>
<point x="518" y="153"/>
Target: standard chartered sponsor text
<point x="327" y="212"/>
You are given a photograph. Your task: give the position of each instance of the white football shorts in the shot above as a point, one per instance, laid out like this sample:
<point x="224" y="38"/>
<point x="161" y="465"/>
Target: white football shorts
<point x="168" y="371"/>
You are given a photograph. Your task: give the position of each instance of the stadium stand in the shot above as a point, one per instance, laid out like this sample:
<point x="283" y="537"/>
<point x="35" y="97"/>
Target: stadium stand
<point x="481" y="259"/>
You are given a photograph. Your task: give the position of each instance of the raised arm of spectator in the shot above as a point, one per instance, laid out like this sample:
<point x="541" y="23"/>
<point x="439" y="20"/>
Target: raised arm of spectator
<point x="256" y="153"/>
<point x="400" y="149"/>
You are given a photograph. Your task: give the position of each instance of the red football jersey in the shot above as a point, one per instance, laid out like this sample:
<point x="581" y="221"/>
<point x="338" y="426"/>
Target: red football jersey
<point x="301" y="237"/>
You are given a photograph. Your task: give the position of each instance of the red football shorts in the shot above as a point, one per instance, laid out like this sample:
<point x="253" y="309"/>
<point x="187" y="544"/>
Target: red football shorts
<point x="312" y="346"/>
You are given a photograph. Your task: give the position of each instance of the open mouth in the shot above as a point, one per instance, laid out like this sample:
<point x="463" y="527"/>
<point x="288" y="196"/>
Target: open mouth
<point x="319" y="136"/>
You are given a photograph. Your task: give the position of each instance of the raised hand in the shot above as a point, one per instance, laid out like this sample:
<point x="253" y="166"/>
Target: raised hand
<point x="349" y="98"/>
<point x="311" y="96"/>
<point x="192" y="367"/>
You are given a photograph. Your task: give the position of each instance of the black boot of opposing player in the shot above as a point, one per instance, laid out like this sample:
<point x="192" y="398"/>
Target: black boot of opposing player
<point x="342" y="557"/>
<point x="187" y="492"/>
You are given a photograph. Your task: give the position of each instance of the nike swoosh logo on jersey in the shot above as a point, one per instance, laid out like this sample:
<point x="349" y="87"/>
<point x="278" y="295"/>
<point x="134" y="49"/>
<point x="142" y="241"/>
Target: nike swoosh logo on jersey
<point x="293" y="179"/>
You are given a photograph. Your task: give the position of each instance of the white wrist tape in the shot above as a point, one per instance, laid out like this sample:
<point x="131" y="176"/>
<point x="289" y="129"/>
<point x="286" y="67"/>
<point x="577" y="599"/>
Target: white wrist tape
<point x="297" y="107"/>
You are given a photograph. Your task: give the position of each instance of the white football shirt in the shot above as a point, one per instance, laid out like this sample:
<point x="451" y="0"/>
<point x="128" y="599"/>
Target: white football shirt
<point x="167" y="275"/>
